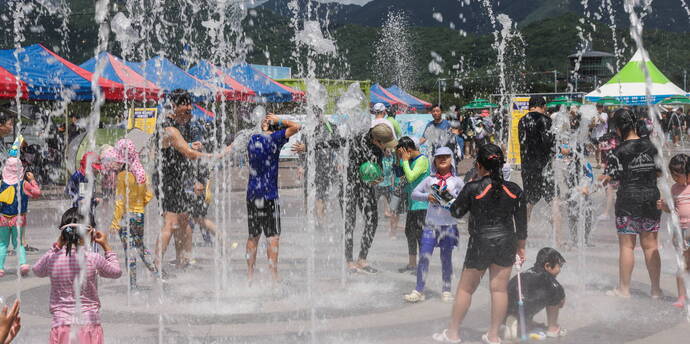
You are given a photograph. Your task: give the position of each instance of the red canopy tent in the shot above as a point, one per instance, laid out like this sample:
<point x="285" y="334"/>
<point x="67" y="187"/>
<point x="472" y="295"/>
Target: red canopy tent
<point x="9" y="85"/>
<point x="47" y="76"/>
<point x="111" y="90"/>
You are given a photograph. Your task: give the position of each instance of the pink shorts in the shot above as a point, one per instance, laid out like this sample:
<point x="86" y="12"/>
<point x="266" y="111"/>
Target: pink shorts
<point x="87" y="334"/>
<point x="12" y="221"/>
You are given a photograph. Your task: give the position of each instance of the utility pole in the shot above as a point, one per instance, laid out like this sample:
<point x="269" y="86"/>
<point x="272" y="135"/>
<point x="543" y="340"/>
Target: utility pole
<point x="576" y="79"/>
<point x="555" y="81"/>
<point x="439" y="81"/>
<point x="685" y="80"/>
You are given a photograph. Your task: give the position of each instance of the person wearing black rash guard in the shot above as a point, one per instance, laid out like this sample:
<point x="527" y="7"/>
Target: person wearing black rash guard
<point x="635" y="165"/>
<point x="540" y="290"/>
<point x="498" y="231"/>
<point x="174" y="168"/>
<point x="537" y="150"/>
<point x="365" y="147"/>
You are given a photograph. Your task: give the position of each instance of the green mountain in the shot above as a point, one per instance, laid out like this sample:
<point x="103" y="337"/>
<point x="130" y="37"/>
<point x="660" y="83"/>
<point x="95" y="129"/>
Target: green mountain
<point x="549" y="34"/>
<point x="472" y="16"/>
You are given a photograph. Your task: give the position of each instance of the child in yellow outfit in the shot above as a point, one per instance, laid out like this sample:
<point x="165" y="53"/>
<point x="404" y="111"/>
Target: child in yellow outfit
<point x="132" y="194"/>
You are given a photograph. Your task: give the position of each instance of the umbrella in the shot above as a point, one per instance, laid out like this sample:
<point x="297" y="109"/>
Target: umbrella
<point x="558" y="101"/>
<point x="676" y="100"/>
<point x="479" y="104"/>
<point x="609" y="101"/>
<point x="563" y="101"/>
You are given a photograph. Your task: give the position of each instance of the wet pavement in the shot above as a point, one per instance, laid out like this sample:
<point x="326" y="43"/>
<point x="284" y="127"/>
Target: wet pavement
<point x="316" y="302"/>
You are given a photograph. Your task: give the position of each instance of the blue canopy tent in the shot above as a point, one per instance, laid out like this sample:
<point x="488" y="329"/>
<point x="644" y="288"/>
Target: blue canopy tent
<point x="411" y="100"/>
<point x="270" y="90"/>
<point x="377" y="98"/>
<point x="385" y="94"/>
<point x="200" y="113"/>
<point x="211" y="74"/>
<point x="117" y="70"/>
<point x="50" y="77"/>
<point x="169" y="76"/>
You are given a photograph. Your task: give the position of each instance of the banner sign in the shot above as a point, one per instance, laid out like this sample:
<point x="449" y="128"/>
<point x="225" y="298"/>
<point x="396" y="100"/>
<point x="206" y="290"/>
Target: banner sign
<point x="520" y="107"/>
<point x="143" y="119"/>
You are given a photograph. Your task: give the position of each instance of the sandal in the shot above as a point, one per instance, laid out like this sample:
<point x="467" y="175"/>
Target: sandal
<point x="407" y="269"/>
<point x="367" y="269"/>
<point x="680" y="303"/>
<point x="24" y="270"/>
<point x="560" y="333"/>
<point x="617" y="293"/>
<point x="414" y="297"/>
<point x="443" y="337"/>
<point x="485" y="339"/>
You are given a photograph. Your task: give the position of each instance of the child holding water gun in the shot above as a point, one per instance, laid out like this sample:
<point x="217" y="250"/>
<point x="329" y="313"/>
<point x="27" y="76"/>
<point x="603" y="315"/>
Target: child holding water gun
<point x="440" y="228"/>
<point x="540" y="290"/>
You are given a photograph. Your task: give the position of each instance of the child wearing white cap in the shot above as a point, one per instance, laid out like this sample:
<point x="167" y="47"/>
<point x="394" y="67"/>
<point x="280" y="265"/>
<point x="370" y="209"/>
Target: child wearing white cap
<point x="440" y="228"/>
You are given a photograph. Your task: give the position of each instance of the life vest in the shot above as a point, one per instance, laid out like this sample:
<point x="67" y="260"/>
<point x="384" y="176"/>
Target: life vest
<point x="9" y="199"/>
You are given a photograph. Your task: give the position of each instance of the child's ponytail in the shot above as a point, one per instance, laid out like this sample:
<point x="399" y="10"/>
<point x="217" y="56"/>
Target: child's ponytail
<point x="491" y="158"/>
<point x="625" y="121"/>
<point x="70" y="224"/>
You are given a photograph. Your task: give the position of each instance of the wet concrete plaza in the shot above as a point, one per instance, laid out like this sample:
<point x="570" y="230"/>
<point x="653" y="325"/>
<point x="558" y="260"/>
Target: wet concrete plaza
<point x="212" y="302"/>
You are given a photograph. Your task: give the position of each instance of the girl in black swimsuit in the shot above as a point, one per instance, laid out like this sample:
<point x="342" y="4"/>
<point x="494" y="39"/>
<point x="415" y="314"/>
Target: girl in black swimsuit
<point x="498" y="230"/>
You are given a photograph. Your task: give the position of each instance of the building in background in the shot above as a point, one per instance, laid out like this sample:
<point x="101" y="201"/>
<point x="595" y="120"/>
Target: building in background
<point x="595" y="67"/>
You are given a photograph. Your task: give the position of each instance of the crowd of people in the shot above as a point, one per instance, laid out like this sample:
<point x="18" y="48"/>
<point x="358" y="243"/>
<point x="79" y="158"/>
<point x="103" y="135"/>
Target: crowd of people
<point x="381" y="163"/>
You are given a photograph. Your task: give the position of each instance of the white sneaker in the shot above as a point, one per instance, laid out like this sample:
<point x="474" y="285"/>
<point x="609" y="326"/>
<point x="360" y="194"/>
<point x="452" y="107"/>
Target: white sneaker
<point x="414" y="297"/>
<point x="447" y="297"/>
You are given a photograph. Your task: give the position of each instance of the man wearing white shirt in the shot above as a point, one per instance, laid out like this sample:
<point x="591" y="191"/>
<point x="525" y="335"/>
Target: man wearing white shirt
<point x="380" y="118"/>
<point x="600" y="127"/>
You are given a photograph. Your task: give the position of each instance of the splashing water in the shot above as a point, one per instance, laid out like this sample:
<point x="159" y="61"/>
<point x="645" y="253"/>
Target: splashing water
<point x="393" y="54"/>
<point x="636" y="29"/>
<point x="312" y="36"/>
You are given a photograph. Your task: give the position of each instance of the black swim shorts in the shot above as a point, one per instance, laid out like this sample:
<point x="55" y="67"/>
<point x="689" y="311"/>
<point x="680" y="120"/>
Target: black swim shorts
<point x="263" y="216"/>
<point x="174" y="199"/>
<point x="482" y="252"/>
<point x="538" y="184"/>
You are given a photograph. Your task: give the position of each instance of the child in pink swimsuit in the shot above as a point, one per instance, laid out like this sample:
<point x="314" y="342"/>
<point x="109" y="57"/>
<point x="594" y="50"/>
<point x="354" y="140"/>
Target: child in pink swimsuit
<point x="679" y="166"/>
<point x="61" y="264"/>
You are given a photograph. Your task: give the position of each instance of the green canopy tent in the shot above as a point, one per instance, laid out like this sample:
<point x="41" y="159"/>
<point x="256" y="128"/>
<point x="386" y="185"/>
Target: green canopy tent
<point x="563" y="101"/>
<point x="479" y="104"/>
<point x="629" y="85"/>
<point x="676" y="100"/>
<point x="609" y="101"/>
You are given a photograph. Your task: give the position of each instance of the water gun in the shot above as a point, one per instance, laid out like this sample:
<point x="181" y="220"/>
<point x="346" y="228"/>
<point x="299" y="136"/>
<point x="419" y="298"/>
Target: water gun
<point x="441" y="194"/>
<point x="16" y="146"/>
<point x="560" y="155"/>
<point x="589" y="172"/>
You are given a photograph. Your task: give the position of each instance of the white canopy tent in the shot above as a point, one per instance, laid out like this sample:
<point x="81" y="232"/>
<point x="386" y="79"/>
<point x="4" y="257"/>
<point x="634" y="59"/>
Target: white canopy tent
<point x="629" y="85"/>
